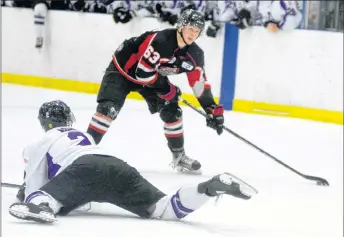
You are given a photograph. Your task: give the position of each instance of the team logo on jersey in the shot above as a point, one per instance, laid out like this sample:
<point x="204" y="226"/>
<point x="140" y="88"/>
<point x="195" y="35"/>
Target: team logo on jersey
<point x="166" y="71"/>
<point x="187" y="66"/>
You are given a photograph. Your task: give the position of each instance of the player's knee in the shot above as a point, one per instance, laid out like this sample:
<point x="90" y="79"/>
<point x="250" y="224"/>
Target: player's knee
<point x="171" y="113"/>
<point x="108" y="108"/>
<point x="170" y="208"/>
<point x="40" y="10"/>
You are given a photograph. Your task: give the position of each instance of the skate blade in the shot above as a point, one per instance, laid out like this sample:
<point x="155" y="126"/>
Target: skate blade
<point x="22" y="212"/>
<point x="183" y="170"/>
<point x="245" y="188"/>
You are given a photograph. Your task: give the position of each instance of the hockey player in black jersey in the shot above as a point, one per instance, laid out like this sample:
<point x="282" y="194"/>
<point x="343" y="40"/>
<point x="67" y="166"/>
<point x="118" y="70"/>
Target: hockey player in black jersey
<point x="142" y="64"/>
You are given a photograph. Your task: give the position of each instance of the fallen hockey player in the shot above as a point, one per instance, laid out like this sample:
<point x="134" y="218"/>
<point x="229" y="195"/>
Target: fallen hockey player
<point x="65" y="170"/>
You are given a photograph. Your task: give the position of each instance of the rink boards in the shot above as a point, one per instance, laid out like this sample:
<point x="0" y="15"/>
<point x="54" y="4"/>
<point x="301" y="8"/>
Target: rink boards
<point x="293" y="74"/>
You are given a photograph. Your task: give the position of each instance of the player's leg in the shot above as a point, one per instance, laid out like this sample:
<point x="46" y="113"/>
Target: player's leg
<point x="113" y="91"/>
<point x="40" y="11"/>
<point x="190" y="198"/>
<point x="130" y="191"/>
<point x="172" y="116"/>
<point x="154" y="102"/>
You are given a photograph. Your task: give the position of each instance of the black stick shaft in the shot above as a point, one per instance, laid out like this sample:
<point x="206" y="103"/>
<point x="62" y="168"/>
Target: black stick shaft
<point x="9" y="185"/>
<point x="323" y="181"/>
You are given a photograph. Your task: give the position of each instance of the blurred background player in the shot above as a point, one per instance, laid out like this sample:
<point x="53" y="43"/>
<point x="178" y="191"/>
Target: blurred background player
<point x="89" y="6"/>
<point x="242" y="14"/>
<point x="280" y="15"/>
<point x="125" y="11"/>
<point x="40" y="11"/>
<point x="65" y="170"/>
<point x="169" y="11"/>
<point x="142" y="64"/>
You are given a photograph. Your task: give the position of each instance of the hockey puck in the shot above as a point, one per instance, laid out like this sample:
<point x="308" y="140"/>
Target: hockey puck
<point x="319" y="183"/>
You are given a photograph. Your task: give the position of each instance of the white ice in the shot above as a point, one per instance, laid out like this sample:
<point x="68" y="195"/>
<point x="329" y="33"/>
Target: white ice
<point x="286" y="205"/>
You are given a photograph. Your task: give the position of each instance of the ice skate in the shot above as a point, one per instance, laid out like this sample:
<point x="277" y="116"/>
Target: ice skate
<point x="227" y="183"/>
<point x="41" y="213"/>
<point x="184" y="164"/>
<point x="39" y="42"/>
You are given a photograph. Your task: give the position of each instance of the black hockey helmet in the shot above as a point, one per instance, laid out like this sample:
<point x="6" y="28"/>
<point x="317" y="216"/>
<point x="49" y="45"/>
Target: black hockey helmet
<point x="193" y="18"/>
<point x="54" y="114"/>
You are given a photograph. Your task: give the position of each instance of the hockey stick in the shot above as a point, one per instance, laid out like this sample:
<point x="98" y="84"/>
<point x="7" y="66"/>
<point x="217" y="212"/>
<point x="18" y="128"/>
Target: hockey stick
<point x="320" y="181"/>
<point x="9" y="185"/>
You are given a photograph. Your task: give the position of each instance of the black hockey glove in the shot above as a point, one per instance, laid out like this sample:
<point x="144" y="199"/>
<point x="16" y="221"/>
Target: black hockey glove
<point x="244" y="19"/>
<point x="166" y="16"/>
<point x="171" y="94"/>
<point x="79" y="5"/>
<point x="173" y="19"/>
<point x="122" y="15"/>
<point x="21" y="193"/>
<point x="99" y="8"/>
<point x="215" y="118"/>
<point x="191" y="6"/>
<point x="212" y="29"/>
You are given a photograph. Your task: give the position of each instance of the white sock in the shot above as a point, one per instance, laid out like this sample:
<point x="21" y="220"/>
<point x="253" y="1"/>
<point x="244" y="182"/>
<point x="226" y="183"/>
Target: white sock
<point x="40" y="13"/>
<point x="177" y="206"/>
<point x="39" y="197"/>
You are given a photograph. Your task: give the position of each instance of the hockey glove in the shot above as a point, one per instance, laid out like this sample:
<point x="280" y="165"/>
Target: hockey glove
<point x="212" y="29"/>
<point x="173" y="19"/>
<point x="215" y="118"/>
<point x="122" y="15"/>
<point x="21" y="193"/>
<point x="172" y="94"/>
<point x="244" y="19"/>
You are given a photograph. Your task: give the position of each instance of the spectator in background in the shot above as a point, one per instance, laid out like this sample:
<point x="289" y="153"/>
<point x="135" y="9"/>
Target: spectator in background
<point x="60" y="5"/>
<point x="89" y="6"/>
<point x="22" y="3"/>
<point x="40" y="12"/>
<point x="40" y="9"/>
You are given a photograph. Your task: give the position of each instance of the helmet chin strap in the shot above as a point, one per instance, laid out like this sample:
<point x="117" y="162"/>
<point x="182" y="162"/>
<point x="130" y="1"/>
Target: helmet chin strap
<point x="181" y="35"/>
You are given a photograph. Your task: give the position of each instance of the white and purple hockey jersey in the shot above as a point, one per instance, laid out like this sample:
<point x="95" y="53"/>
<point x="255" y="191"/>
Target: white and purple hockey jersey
<point x="227" y="11"/>
<point x="58" y="148"/>
<point x="176" y="6"/>
<point x="286" y="14"/>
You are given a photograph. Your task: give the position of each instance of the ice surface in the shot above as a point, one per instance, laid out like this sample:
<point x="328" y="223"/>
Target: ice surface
<point x="286" y="205"/>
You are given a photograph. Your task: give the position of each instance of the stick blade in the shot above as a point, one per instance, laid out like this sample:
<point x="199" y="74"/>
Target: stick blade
<point x="320" y="181"/>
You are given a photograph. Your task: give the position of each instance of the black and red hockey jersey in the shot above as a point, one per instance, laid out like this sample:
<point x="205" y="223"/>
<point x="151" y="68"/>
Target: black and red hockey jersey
<point x="150" y="57"/>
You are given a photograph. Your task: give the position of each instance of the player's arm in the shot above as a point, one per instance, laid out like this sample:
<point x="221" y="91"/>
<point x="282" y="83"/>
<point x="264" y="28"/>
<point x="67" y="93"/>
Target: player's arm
<point x="292" y="17"/>
<point x="197" y="79"/>
<point x="35" y="168"/>
<point x="149" y="59"/>
<point x="202" y="90"/>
